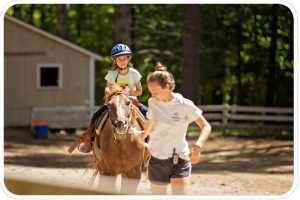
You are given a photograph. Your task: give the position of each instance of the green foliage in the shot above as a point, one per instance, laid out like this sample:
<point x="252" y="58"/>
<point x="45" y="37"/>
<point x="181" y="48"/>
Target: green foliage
<point x="158" y="37"/>
<point x="235" y="45"/>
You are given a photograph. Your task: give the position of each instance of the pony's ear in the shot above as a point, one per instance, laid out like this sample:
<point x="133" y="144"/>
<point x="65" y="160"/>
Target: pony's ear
<point x="127" y="90"/>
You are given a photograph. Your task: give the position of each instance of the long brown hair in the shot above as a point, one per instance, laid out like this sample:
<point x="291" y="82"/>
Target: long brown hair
<point x="162" y="77"/>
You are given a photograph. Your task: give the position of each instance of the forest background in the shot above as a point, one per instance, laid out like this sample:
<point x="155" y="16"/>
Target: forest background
<point x="237" y="54"/>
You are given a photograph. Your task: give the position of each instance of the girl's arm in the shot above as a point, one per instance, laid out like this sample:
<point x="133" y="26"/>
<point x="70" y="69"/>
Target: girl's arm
<point x="205" y="131"/>
<point x="148" y="128"/>
<point x="138" y="91"/>
<point x="108" y="84"/>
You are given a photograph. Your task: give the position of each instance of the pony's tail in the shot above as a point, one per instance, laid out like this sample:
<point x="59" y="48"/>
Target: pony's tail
<point x="92" y="164"/>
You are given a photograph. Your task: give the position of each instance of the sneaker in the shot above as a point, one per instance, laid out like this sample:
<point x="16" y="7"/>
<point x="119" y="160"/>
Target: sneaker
<point x="85" y="146"/>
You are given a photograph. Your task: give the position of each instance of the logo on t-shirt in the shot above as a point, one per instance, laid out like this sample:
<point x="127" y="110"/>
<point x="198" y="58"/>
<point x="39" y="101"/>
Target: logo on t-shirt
<point x="175" y="117"/>
<point x="122" y="83"/>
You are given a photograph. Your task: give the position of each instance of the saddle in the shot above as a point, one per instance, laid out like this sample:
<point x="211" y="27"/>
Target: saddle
<point x="101" y="121"/>
<point x="90" y="132"/>
<point x="98" y="126"/>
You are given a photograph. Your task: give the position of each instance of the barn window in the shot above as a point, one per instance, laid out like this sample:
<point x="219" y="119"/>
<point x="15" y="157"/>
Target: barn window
<point x="49" y="76"/>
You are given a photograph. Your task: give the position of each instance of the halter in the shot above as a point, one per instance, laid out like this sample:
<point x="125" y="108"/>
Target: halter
<point x="116" y="135"/>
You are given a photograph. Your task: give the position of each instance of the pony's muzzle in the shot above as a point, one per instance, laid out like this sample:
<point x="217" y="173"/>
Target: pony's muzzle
<point x="121" y="126"/>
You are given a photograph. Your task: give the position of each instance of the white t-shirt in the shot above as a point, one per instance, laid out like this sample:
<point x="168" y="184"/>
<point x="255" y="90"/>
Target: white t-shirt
<point x="130" y="79"/>
<point x="171" y="120"/>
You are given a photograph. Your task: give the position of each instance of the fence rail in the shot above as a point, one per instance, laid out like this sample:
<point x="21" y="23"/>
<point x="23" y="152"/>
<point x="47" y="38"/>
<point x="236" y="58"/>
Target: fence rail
<point x="63" y="117"/>
<point x="234" y="116"/>
<point x="219" y="116"/>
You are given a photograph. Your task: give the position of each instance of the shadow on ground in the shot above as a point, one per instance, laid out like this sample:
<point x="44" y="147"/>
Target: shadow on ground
<point x="275" y="159"/>
<point x="223" y="154"/>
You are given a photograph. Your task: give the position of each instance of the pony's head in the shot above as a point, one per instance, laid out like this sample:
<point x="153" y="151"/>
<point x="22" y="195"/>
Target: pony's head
<point x="120" y="108"/>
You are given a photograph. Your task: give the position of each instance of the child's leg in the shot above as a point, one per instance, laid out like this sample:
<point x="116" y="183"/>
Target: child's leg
<point x="159" y="174"/>
<point x="180" y="185"/>
<point x="180" y="178"/>
<point x="159" y="189"/>
<point x="86" y="145"/>
<point x="98" y="113"/>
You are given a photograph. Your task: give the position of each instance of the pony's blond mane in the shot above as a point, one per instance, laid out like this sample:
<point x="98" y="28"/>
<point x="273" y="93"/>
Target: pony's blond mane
<point x="112" y="91"/>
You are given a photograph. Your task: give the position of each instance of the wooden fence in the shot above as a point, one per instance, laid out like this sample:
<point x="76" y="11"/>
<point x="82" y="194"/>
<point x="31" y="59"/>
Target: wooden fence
<point x="233" y="116"/>
<point x="219" y="116"/>
<point x="63" y="117"/>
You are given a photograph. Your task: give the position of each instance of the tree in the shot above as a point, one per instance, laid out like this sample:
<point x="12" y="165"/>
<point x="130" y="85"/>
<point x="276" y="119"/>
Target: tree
<point x="31" y="14"/>
<point x="217" y="53"/>
<point x="271" y="79"/>
<point x="62" y="20"/>
<point x="239" y="58"/>
<point x="190" y="60"/>
<point x="123" y="24"/>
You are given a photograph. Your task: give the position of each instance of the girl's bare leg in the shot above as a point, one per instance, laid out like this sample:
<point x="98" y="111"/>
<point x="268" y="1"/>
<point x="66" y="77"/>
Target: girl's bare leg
<point x="159" y="189"/>
<point x="180" y="185"/>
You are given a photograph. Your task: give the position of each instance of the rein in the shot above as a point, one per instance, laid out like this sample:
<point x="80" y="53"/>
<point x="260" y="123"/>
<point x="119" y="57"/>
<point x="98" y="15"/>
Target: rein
<point x="116" y="135"/>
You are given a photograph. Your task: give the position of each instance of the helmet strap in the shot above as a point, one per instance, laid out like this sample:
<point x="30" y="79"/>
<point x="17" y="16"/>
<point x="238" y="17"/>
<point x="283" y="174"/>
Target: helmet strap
<point x="121" y="69"/>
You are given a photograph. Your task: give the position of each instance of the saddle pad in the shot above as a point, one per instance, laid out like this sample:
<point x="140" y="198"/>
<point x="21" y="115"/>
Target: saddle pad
<point x="102" y="121"/>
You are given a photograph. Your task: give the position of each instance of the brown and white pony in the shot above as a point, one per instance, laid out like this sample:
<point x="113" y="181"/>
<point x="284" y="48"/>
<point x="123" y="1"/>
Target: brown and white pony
<point x="116" y="148"/>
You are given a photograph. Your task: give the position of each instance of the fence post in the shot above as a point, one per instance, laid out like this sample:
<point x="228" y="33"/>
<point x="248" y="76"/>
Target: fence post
<point x="225" y="116"/>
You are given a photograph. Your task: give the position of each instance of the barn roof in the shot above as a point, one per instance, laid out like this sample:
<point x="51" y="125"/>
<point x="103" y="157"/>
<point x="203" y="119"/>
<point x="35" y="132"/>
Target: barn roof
<point x="54" y="37"/>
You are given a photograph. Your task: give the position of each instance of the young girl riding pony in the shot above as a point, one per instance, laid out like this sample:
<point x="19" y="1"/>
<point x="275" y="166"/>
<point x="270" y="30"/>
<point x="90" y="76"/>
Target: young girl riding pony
<point x="122" y="74"/>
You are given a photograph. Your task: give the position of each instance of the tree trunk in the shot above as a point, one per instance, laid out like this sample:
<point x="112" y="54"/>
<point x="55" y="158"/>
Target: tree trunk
<point x="62" y="18"/>
<point x="43" y="17"/>
<point x="271" y="79"/>
<point x="79" y="20"/>
<point x="123" y="24"/>
<point x="31" y="13"/>
<point x="291" y="42"/>
<point x="17" y="11"/>
<point x="239" y="61"/>
<point x="191" y="61"/>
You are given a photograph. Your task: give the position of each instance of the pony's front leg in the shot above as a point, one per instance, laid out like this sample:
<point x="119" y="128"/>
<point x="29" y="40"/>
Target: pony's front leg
<point x="130" y="181"/>
<point x="107" y="184"/>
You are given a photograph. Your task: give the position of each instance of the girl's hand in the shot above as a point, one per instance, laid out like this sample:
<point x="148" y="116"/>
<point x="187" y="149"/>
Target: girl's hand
<point x="143" y="135"/>
<point x="195" y="154"/>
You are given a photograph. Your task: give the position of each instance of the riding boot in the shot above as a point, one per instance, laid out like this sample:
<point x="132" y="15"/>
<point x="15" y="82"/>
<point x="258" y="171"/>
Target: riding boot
<point x="86" y="145"/>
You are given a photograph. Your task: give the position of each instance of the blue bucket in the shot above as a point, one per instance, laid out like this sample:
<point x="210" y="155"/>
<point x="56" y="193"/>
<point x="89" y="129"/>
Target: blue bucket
<point x="41" y="129"/>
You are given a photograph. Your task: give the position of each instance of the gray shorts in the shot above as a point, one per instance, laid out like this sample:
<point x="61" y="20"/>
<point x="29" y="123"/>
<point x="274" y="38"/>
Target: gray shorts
<point x="161" y="171"/>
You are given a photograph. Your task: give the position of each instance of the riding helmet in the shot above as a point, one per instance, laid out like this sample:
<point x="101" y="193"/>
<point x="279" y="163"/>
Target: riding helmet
<point x="120" y="49"/>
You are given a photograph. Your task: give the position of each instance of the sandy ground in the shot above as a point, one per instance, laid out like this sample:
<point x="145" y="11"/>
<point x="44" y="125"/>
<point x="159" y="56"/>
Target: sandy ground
<point x="229" y="166"/>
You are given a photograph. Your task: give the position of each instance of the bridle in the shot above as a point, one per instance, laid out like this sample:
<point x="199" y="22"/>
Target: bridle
<point x="116" y="135"/>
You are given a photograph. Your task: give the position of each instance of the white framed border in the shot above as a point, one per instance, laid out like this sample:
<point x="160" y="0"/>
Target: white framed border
<point x="292" y="194"/>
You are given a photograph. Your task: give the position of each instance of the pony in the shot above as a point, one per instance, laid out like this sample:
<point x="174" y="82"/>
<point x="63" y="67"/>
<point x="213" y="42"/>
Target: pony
<point x="117" y="147"/>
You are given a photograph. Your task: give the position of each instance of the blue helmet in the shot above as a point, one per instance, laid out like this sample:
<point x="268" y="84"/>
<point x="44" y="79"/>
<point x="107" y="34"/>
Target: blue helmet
<point x="120" y="49"/>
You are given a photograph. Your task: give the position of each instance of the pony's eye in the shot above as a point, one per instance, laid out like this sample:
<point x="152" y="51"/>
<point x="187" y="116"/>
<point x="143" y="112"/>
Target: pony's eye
<point x="127" y="103"/>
